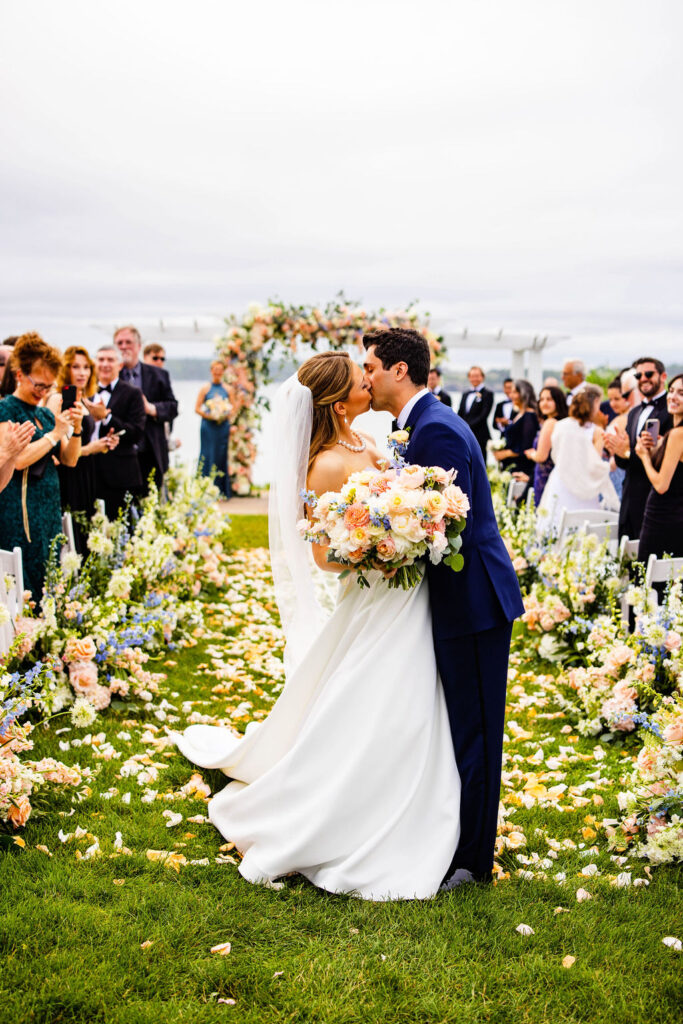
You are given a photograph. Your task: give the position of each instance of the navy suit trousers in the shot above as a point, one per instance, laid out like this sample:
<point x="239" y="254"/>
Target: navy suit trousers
<point x="473" y="670"/>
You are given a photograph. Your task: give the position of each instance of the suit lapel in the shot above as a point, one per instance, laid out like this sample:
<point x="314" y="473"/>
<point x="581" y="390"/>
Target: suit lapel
<point x="426" y="402"/>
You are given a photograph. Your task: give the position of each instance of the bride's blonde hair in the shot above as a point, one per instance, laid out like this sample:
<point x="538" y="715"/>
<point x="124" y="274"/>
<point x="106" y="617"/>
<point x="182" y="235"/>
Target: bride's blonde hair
<point x="329" y="377"/>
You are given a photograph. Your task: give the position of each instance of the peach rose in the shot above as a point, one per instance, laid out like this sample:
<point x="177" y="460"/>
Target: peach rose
<point x="19" y="812"/>
<point x="80" y="649"/>
<point x="356" y="515"/>
<point x="457" y="502"/>
<point x="412" y="477"/>
<point x="386" y="549"/>
<point x="82" y="674"/>
<point x="435" y="504"/>
<point x="443" y="477"/>
<point x="673" y="733"/>
<point x="672" y="641"/>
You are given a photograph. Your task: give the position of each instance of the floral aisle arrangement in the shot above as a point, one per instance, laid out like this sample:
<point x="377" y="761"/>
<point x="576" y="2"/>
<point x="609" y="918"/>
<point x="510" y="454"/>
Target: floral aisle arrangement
<point x="249" y="346"/>
<point x="104" y="620"/>
<point x="613" y="683"/>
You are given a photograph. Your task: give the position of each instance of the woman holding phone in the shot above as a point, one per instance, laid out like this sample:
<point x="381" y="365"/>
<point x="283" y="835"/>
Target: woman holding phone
<point x="76" y="382"/>
<point x="662" y="458"/>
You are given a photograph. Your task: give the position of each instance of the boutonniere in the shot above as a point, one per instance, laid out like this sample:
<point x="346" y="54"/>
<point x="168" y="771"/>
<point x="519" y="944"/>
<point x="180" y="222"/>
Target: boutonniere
<point x="477" y="396"/>
<point x="397" y="443"/>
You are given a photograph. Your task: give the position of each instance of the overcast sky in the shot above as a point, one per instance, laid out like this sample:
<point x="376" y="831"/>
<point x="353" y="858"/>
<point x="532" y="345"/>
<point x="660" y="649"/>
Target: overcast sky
<point x="512" y="164"/>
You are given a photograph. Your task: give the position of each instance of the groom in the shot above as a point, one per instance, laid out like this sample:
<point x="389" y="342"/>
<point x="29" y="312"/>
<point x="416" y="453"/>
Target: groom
<point x="472" y="610"/>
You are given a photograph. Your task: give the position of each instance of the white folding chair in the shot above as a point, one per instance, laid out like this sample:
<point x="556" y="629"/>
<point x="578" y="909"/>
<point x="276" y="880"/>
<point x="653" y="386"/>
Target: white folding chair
<point x="11" y="565"/>
<point x="574" y="519"/>
<point x="628" y="549"/>
<point x="604" y="532"/>
<point x="6" y="628"/>
<point x="68" y="531"/>
<point x="516" y="489"/>
<point x="661" y="570"/>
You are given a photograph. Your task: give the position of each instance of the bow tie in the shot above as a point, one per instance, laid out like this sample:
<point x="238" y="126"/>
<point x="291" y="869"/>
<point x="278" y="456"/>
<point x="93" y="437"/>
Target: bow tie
<point x="104" y="387"/>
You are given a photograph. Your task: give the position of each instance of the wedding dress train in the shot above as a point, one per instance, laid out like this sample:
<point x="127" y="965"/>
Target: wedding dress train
<point x="351" y="780"/>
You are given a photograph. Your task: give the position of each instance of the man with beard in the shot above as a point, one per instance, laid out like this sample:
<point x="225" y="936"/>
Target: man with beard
<point x="651" y="377"/>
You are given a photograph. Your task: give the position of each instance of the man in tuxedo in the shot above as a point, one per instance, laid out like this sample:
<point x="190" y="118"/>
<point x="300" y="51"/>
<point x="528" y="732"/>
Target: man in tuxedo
<point x="503" y="412"/>
<point x="475" y="406"/>
<point x="436" y="388"/>
<point x="472" y="610"/>
<point x="160" y="404"/>
<point x="651" y="377"/>
<point x="117" y="471"/>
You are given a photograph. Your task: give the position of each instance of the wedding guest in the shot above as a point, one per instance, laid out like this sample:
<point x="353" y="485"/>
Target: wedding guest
<point x="551" y="382"/>
<point x="503" y="411"/>
<point x="117" y="470"/>
<point x="7" y="381"/>
<point x="622" y="393"/>
<point x="154" y="354"/>
<point x="552" y="407"/>
<point x="521" y="430"/>
<point x="662" y="530"/>
<point x="573" y="377"/>
<point x="160" y="404"/>
<point x="580" y="478"/>
<point x="14" y="437"/>
<point x="77" y="483"/>
<point x="651" y="377"/>
<point x="435" y="386"/>
<point x="475" y="406"/>
<point x="215" y="431"/>
<point x="30" y="509"/>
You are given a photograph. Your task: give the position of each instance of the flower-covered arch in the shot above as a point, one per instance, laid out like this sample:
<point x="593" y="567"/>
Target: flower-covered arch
<point x="249" y="347"/>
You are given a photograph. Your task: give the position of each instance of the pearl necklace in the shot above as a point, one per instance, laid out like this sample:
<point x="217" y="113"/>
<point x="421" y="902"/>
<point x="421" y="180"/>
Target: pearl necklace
<point x="353" y="447"/>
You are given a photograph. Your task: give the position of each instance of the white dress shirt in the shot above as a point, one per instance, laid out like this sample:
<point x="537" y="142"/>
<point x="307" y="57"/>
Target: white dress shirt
<point x="104" y="397"/>
<point x="471" y="397"/>
<point x="405" y="411"/>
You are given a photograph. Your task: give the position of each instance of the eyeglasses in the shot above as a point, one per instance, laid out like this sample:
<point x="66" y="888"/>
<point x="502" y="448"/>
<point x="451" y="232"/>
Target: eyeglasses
<point x="648" y="374"/>
<point x="158" y="359"/>
<point x="40" y="388"/>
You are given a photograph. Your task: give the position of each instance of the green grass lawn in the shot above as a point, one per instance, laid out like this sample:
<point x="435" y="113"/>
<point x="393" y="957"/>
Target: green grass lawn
<point x="72" y="931"/>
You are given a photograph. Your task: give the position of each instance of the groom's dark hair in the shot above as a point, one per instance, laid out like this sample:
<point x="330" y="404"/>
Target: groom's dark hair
<point x="401" y="345"/>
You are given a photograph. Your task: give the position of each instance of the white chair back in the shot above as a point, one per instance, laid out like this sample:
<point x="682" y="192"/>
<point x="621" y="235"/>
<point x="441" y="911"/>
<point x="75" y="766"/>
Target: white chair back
<point x="661" y="570"/>
<point x="11" y="565"/>
<point x="628" y="549"/>
<point x="574" y="519"/>
<point x="516" y="489"/>
<point x="6" y="628"/>
<point x="68" y="531"/>
<point x="604" y="532"/>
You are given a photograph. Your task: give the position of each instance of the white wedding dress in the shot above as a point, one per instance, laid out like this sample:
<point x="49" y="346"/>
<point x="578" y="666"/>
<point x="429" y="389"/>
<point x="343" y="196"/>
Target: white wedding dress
<point x="351" y="781"/>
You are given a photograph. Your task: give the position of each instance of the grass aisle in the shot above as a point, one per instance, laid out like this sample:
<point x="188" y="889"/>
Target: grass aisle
<point x="116" y="923"/>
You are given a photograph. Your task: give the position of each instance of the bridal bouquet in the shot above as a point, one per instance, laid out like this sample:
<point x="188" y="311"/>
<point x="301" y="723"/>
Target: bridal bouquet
<point x="217" y="408"/>
<point x="389" y="520"/>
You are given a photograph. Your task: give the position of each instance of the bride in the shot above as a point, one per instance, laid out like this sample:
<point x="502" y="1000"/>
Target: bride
<point x="351" y="780"/>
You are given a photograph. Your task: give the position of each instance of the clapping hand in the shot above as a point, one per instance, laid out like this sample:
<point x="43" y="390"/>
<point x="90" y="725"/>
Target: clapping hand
<point x="16" y="437"/>
<point x="617" y="443"/>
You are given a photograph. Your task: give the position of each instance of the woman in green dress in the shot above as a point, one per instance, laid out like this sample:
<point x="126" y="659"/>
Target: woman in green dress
<point x="30" y="510"/>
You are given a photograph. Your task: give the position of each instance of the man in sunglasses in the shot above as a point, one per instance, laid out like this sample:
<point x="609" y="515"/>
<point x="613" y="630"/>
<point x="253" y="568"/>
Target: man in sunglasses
<point x="651" y="377"/>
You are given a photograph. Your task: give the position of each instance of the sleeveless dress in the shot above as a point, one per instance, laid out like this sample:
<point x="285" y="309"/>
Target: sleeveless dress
<point x="214" y="437"/>
<point x="542" y="471"/>
<point x="662" y="530"/>
<point x="351" y="781"/>
<point x="518" y="436"/>
<point x="33" y="524"/>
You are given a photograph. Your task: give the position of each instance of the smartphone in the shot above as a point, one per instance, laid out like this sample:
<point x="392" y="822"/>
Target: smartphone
<point x="652" y="427"/>
<point x="69" y="393"/>
<point x="120" y="433"/>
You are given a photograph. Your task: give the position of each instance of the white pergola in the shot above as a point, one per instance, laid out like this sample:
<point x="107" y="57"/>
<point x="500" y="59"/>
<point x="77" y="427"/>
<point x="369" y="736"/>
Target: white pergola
<point x="526" y="349"/>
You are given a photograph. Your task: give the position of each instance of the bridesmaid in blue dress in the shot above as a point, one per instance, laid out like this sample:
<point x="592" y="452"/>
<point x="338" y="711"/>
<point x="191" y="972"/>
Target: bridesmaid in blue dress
<point x="215" y="433"/>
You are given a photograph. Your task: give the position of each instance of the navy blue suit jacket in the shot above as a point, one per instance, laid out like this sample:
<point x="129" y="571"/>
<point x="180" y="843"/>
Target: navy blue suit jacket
<point x="486" y="592"/>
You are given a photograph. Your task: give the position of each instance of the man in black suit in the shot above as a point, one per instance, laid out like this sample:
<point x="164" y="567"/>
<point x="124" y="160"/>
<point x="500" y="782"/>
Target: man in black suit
<point x="117" y="471"/>
<point x="436" y="388"/>
<point x="651" y="377"/>
<point x="160" y="404"/>
<point x="475" y="406"/>
<point x="503" y="411"/>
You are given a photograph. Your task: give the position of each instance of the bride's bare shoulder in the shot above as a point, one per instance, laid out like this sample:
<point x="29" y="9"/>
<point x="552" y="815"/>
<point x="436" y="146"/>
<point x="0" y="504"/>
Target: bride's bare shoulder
<point x="328" y="472"/>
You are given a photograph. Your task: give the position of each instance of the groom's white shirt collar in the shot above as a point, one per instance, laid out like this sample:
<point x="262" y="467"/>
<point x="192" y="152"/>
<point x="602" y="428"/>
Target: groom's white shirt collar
<point x="402" y="417"/>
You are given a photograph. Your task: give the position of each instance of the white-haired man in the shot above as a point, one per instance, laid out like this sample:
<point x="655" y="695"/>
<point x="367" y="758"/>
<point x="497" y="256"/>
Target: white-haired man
<point x="573" y="377"/>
